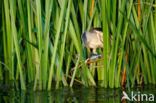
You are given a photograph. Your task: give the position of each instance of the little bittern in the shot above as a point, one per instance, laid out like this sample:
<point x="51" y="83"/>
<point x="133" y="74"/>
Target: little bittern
<point x="93" y="39"/>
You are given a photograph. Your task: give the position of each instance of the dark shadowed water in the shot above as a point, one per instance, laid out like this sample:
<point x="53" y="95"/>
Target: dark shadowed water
<point x="77" y="94"/>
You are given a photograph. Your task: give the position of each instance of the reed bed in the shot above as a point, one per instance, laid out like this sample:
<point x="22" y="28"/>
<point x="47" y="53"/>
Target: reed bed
<point x="41" y="43"/>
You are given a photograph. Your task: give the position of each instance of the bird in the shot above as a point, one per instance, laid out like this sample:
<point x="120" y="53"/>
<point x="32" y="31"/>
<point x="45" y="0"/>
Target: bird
<point x="95" y="56"/>
<point x="93" y="39"/>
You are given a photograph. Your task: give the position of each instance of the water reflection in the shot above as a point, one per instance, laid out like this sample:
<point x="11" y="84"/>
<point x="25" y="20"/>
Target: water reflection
<point x="64" y="95"/>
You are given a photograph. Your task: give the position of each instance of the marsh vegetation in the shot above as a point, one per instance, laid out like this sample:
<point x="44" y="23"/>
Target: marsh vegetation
<point x="40" y="43"/>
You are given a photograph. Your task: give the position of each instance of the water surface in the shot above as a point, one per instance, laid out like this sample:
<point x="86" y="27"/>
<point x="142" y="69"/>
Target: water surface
<point x="78" y="94"/>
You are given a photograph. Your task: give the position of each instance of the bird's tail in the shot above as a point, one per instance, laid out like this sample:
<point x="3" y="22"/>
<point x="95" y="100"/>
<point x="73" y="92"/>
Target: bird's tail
<point x="84" y="39"/>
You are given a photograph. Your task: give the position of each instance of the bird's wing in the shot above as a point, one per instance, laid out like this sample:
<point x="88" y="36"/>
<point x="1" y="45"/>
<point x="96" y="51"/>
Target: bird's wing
<point x="99" y="36"/>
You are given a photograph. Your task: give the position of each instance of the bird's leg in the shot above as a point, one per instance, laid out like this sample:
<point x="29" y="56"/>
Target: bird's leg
<point x="94" y="51"/>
